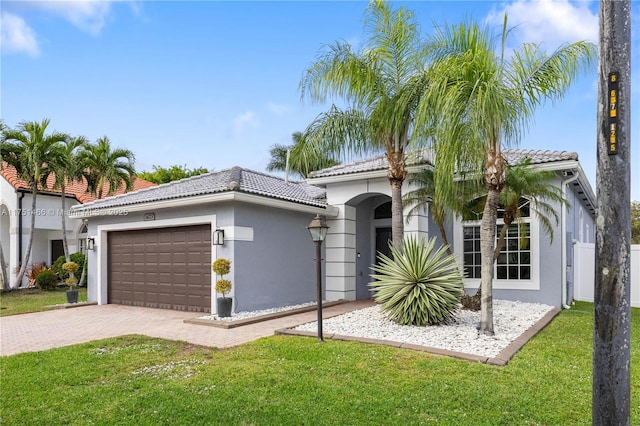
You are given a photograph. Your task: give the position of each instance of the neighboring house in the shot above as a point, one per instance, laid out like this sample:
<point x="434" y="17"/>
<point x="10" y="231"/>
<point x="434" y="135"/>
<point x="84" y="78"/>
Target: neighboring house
<point x="15" y="219"/>
<point x="154" y="248"/>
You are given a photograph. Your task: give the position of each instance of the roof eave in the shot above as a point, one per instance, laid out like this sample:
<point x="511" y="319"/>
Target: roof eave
<point x="88" y="211"/>
<point x="372" y="174"/>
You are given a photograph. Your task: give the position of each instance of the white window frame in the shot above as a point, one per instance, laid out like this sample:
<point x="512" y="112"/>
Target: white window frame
<point x="531" y="284"/>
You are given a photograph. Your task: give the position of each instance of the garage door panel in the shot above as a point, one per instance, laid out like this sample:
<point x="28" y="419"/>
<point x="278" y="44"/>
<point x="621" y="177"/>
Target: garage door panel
<point x="166" y="268"/>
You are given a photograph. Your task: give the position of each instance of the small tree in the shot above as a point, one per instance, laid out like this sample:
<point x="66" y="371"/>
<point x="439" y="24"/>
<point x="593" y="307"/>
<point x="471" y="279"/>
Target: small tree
<point x="222" y="267"/>
<point x="71" y="268"/>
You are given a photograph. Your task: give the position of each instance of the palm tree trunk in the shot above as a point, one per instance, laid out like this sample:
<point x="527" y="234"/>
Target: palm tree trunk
<point x="27" y="253"/>
<point x="397" y="221"/>
<point x="396" y="175"/>
<point x="487" y="242"/>
<point x="443" y="234"/>
<point x="495" y="175"/>
<point x="500" y="242"/>
<point x="65" y="245"/>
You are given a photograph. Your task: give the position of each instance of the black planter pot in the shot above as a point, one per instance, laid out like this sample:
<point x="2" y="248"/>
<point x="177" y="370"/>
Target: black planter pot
<point x="224" y="306"/>
<point x="72" y="296"/>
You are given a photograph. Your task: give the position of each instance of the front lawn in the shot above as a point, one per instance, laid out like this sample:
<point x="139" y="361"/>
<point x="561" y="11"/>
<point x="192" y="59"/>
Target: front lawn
<point x="287" y="380"/>
<point x="27" y="300"/>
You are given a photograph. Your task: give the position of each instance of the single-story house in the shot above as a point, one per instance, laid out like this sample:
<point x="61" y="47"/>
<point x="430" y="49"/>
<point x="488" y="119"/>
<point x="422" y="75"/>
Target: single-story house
<point x="15" y="219"/>
<point x="154" y="247"/>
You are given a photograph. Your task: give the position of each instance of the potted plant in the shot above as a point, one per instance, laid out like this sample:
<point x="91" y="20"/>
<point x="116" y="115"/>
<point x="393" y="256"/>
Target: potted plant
<point x="222" y="267"/>
<point x="71" y="268"/>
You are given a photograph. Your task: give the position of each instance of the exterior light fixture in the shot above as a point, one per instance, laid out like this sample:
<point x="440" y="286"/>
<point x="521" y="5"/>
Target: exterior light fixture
<point x="218" y="237"/>
<point x="318" y="230"/>
<point x="91" y="243"/>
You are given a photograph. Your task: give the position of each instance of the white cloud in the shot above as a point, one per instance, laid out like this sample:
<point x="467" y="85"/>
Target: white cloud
<point x="16" y="36"/>
<point x="278" y="109"/>
<point x="554" y="22"/>
<point x="243" y="121"/>
<point x="88" y="15"/>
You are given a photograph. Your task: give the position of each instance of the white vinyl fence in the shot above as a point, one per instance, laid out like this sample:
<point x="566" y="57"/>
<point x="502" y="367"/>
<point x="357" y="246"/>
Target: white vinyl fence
<point x="584" y="272"/>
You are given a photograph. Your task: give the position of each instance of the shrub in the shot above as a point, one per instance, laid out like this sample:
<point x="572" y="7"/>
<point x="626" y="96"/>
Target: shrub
<point x="33" y="271"/>
<point x="78" y="258"/>
<point x="70" y="267"/>
<point x="471" y="302"/>
<point x="223" y="286"/>
<point x="422" y="286"/>
<point x="47" y="280"/>
<point x="222" y="267"/>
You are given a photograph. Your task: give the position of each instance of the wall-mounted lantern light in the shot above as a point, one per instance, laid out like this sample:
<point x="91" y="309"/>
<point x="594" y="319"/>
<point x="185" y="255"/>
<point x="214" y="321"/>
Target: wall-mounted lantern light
<point x="91" y="243"/>
<point x="218" y="237"/>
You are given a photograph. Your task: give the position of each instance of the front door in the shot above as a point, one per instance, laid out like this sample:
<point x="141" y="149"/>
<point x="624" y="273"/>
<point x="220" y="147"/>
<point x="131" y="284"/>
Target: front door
<point x="57" y="250"/>
<point x="383" y="242"/>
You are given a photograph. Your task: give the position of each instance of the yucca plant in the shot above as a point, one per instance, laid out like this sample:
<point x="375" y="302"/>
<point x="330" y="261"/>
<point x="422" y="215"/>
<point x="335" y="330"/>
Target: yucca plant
<point x="420" y="285"/>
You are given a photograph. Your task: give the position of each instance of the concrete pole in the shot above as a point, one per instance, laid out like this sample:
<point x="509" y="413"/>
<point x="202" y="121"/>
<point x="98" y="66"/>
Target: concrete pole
<point x="611" y="337"/>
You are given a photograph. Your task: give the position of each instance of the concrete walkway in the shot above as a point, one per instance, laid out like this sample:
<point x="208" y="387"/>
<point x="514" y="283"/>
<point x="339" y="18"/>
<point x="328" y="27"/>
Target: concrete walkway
<point x="45" y="330"/>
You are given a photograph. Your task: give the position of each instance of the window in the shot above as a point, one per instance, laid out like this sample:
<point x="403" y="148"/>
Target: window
<point x="514" y="260"/>
<point x="383" y="211"/>
<point x="82" y="239"/>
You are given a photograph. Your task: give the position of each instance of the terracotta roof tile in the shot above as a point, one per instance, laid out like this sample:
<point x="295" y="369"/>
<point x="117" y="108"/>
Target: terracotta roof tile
<point x="75" y="189"/>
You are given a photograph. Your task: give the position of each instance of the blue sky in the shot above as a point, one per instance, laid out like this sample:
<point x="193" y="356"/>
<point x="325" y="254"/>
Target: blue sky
<point x="214" y="84"/>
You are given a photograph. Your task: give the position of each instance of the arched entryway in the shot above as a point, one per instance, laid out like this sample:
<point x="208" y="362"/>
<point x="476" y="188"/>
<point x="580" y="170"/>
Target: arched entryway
<point x="373" y="232"/>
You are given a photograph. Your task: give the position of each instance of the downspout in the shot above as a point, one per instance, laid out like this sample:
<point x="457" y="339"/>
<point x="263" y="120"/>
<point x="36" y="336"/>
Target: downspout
<point x="563" y="221"/>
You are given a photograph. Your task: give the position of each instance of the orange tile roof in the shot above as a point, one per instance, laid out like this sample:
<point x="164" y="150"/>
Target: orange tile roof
<point x="76" y="189"/>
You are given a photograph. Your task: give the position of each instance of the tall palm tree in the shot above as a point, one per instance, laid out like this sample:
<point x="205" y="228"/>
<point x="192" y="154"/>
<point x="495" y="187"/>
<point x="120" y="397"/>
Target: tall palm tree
<point x="484" y="101"/>
<point x="382" y="84"/>
<point x="31" y="151"/>
<point x="67" y="169"/>
<point x="303" y="158"/>
<point x="105" y="165"/>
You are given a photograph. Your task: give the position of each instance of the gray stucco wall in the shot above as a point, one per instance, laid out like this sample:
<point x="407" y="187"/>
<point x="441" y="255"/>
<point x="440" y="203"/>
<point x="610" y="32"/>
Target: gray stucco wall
<point x="222" y="211"/>
<point x="278" y="267"/>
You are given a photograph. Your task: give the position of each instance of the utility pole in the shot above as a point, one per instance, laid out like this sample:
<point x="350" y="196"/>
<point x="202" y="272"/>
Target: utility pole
<point x="611" y="335"/>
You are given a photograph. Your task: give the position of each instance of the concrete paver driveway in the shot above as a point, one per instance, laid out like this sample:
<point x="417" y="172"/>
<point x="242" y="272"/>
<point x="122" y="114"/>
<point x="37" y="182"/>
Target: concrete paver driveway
<point x="45" y="330"/>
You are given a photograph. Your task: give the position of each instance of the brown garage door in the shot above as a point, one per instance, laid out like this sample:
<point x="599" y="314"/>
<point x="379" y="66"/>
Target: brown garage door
<point x="166" y="268"/>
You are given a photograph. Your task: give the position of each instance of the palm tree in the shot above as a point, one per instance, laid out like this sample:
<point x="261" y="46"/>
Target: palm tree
<point x="483" y="101"/>
<point x="524" y="181"/>
<point x="303" y="159"/>
<point x="30" y="151"/>
<point x="382" y="84"/>
<point x="68" y="169"/>
<point x="106" y="166"/>
<point x="425" y="193"/>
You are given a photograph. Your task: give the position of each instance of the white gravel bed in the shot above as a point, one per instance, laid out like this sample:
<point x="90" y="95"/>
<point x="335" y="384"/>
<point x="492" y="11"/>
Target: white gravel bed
<point x="251" y="314"/>
<point x="510" y="320"/>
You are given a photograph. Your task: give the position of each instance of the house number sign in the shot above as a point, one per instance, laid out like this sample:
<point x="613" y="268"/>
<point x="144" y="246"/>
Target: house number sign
<point x="613" y="113"/>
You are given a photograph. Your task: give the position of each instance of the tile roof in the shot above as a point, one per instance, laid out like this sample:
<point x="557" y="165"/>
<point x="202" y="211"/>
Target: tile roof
<point x="75" y="189"/>
<point x="234" y="179"/>
<point x="370" y="164"/>
<point x="513" y="156"/>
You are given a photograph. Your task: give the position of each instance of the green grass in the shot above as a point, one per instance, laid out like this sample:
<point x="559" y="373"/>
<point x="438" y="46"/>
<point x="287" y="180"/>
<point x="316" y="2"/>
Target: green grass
<point x="286" y="380"/>
<point x="34" y="300"/>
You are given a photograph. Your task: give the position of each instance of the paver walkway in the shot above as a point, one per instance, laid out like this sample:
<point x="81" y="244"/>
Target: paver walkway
<point x="45" y="330"/>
